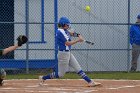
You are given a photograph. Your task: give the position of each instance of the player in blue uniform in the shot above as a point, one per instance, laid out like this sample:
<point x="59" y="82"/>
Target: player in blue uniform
<point x="135" y="42"/>
<point x="65" y="58"/>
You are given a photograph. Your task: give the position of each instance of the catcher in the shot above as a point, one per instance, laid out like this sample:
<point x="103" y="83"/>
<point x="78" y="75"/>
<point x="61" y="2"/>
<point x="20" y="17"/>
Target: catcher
<point x="21" y="40"/>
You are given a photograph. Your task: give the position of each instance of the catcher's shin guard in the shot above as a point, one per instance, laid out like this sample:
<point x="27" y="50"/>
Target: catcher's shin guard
<point x="2" y="76"/>
<point x="2" y="73"/>
<point x="1" y="82"/>
<point x="41" y="80"/>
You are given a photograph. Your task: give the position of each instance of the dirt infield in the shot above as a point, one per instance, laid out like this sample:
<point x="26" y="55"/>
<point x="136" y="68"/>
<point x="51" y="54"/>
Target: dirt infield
<point x="70" y="86"/>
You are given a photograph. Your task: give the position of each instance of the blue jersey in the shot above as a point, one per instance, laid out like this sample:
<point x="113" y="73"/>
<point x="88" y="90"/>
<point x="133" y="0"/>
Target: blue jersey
<point x="135" y="34"/>
<point x="62" y="37"/>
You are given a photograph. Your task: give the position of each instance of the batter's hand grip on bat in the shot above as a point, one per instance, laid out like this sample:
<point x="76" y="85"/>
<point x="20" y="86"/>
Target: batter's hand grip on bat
<point x="76" y="34"/>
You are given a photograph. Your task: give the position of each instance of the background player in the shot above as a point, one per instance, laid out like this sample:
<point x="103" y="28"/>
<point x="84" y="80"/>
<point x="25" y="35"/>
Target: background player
<point x="135" y="42"/>
<point x="65" y="57"/>
<point x="21" y="40"/>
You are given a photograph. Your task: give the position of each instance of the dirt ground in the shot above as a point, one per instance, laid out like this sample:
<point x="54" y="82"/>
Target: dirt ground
<point x="70" y="86"/>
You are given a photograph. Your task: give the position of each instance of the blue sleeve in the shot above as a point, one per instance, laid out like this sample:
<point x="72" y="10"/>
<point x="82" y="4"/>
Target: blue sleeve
<point x="131" y="35"/>
<point x="61" y="37"/>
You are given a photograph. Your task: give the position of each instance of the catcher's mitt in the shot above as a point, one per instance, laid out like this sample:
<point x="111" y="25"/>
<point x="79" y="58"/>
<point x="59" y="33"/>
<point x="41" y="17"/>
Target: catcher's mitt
<point x="22" y="40"/>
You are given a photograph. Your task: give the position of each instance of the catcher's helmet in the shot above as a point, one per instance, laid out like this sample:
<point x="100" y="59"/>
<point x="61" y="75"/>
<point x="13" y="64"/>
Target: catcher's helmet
<point x="63" y="21"/>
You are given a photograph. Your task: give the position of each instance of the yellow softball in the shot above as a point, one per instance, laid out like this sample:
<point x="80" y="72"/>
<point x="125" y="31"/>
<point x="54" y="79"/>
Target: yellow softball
<point x="87" y="8"/>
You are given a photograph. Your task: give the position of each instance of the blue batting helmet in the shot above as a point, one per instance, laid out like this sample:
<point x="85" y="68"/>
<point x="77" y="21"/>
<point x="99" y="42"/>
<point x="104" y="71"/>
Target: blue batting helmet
<point x="63" y="21"/>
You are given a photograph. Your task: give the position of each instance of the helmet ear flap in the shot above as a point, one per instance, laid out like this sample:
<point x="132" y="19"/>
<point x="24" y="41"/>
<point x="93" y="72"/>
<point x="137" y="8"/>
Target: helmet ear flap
<point x="63" y="24"/>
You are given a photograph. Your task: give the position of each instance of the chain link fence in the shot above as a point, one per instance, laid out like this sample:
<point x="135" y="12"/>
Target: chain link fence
<point x="107" y="25"/>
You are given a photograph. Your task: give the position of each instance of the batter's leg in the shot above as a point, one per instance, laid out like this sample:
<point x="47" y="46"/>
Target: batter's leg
<point x="63" y="65"/>
<point x="75" y="65"/>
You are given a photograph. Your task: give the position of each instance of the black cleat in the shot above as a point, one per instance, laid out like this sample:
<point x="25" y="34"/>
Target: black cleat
<point x="1" y="83"/>
<point x="133" y="69"/>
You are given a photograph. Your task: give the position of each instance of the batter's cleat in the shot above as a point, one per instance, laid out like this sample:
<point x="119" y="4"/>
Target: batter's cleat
<point x="94" y="84"/>
<point x="41" y="80"/>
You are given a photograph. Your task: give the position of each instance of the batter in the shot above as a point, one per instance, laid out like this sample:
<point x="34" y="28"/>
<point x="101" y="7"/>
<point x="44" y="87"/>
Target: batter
<point x="65" y="58"/>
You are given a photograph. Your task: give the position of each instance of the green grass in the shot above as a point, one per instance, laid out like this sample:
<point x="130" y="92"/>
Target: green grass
<point x="117" y="75"/>
<point x="96" y="75"/>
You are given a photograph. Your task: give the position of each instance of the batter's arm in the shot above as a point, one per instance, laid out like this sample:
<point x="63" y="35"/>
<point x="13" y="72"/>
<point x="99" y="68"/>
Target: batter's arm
<point x="74" y="34"/>
<point x="68" y="43"/>
<point x="79" y="39"/>
<point x="71" y="33"/>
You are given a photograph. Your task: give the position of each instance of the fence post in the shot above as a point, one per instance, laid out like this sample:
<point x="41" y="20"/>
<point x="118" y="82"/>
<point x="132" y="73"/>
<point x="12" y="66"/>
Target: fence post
<point x="128" y="45"/>
<point x="27" y="34"/>
<point x="55" y="27"/>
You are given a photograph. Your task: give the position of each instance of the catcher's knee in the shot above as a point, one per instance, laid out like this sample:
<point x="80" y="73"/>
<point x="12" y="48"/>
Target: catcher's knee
<point x="2" y="74"/>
